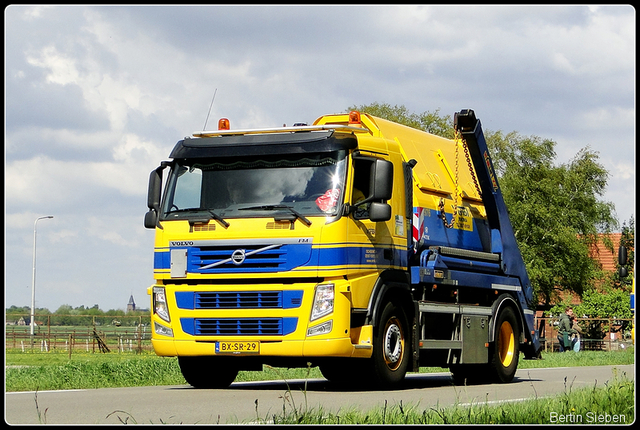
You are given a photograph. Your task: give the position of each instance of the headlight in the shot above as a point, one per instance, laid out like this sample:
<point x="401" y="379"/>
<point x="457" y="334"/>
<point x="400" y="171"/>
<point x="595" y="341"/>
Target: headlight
<point x="322" y="301"/>
<point x="160" y="304"/>
<point x="323" y="328"/>
<point x="162" y="330"/>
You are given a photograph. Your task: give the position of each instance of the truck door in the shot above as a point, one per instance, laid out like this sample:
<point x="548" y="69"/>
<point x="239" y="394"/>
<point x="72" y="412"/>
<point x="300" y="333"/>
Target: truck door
<point x="370" y="229"/>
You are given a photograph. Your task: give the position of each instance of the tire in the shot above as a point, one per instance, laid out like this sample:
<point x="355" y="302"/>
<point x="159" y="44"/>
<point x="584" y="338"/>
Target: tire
<point x="207" y="372"/>
<point x="344" y="372"/>
<point x="469" y="374"/>
<point x="505" y="350"/>
<point x="391" y="347"/>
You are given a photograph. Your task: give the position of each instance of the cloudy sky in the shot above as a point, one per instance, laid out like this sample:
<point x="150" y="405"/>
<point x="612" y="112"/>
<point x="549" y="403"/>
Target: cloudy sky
<point x="96" y="97"/>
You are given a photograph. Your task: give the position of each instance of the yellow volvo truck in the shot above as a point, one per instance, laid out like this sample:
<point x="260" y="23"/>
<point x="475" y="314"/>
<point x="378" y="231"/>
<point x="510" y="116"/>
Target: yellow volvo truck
<point x="356" y="244"/>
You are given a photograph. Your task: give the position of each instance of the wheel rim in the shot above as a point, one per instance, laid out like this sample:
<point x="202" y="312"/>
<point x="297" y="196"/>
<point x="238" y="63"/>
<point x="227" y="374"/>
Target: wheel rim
<point x="506" y="344"/>
<point x="393" y="349"/>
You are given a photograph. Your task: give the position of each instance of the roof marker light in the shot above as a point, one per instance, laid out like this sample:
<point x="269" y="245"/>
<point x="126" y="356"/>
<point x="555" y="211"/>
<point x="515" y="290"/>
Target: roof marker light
<point x="354" y="117"/>
<point x="223" y="124"/>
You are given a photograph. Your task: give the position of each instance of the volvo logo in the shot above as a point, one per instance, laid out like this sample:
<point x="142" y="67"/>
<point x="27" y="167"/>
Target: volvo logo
<point x="238" y="256"/>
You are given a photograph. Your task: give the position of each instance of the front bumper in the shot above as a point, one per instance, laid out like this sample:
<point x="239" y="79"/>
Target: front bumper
<point x="189" y="339"/>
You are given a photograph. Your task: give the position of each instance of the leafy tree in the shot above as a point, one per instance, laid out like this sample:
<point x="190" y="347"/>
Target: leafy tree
<point x="14" y="310"/>
<point x="431" y="122"/>
<point x="63" y="315"/>
<point x="555" y="210"/>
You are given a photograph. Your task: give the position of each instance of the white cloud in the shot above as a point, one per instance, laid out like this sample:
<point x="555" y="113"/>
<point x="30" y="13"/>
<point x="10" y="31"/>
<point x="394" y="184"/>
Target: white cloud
<point x="62" y="69"/>
<point x="605" y="117"/>
<point x="97" y="96"/>
<point x="42" y="180"/>
<point x="114" y="231"/>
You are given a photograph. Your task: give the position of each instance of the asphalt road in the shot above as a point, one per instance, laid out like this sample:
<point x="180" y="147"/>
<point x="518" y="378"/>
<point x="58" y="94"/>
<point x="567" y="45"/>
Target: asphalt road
<point x="245" y="402"/>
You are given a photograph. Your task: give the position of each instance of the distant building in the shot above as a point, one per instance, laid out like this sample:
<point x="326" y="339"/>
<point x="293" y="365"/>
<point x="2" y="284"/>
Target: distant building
<point x="131" y="306"/>
<point x="607" y="259"/>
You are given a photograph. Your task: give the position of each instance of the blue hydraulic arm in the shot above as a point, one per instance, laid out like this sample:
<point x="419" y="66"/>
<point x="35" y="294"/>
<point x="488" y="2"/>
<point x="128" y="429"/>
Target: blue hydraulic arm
<point x="503" y="239"/>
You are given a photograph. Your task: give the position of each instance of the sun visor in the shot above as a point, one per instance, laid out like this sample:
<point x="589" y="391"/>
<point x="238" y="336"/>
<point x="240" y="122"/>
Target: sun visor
<point x="263" y="144"/>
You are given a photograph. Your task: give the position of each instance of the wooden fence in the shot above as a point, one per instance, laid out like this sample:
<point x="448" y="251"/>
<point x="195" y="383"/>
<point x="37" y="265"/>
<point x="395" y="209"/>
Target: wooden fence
<point x="80" y="333"/>
<point x="599" y="334"/>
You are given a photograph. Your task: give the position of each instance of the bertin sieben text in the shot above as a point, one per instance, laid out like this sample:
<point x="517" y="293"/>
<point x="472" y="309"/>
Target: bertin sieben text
<point x="587" y="418"/>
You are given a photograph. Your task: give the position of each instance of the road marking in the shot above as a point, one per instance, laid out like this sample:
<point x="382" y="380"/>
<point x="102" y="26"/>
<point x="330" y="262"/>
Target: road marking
<point x="44" y="391"/>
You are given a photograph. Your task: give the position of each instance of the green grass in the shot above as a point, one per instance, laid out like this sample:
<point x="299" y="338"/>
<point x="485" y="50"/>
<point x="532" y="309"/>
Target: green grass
<point x="35" y="357"/>
<point x="55" y="371"/>
<point x="609" y="403"/>
<point x="104" y="372"/>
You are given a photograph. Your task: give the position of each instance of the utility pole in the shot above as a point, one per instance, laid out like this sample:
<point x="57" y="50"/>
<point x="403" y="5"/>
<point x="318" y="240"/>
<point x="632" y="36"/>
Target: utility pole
<point x="33" y="278"/>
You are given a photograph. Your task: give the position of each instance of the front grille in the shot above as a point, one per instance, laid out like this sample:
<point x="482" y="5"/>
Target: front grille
<point x="268" y="299"/>
<point x="201" y="259"/>
<point x="287" y="299"/>
<point x="239" y="326"/>
<point x="213" y="257"/>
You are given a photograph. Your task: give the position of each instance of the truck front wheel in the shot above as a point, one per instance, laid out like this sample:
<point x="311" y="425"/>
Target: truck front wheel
<point x="505" y="351"/>
<point x="391" y="344"/>
<point x="207" y="372"/>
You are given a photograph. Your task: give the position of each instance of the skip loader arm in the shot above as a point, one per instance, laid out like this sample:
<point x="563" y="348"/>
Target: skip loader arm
<point x="503" y="240"/>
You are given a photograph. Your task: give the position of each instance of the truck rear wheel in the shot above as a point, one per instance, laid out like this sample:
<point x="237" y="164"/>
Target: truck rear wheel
<point x="391" y="344"/>
<point x="207" y="372"/>
<point x="505" y="351"/>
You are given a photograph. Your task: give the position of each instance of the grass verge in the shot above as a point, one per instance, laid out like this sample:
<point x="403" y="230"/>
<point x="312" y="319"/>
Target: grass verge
<point x="38" y="371"/>
<point x="612" y="403"/>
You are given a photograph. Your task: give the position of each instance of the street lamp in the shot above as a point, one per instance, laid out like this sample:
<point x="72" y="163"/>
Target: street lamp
<point x="33" y="278"/>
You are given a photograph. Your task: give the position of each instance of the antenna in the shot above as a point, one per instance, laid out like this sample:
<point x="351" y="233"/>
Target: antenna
<point x="204" y="127"/>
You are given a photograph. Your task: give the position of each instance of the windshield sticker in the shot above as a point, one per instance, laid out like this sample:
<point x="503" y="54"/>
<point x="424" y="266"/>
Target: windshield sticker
<point x="328" y="200"/>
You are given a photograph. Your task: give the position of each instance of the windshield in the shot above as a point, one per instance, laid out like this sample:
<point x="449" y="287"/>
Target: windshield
<point x="309" y="184"/>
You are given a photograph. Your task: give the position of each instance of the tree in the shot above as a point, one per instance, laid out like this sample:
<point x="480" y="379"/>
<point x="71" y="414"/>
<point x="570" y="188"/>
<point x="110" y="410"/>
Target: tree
<point x="63" y="315"/>
<point x="431" y="122"/>
<point x="555" y="210"/>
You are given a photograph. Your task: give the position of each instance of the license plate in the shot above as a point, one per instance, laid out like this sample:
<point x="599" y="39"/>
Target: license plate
<point x="237" y="347"/>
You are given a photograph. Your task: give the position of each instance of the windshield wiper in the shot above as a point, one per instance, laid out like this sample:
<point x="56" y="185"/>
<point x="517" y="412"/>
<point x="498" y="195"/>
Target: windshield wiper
<point x="193" y="221"/>
<point x="297" y="214"/>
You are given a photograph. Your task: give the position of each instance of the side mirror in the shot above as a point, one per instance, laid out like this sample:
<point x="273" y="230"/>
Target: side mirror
<point x="622" y="261"/>
<point x="380" y="189"/>
<point x="151" y="219"/>
<point x="381" y="184"/>
<point x="155" y="185"/>
<point x="153" y="197"/>
<point x="379" y="212"/>
<point x="622" y="255"/>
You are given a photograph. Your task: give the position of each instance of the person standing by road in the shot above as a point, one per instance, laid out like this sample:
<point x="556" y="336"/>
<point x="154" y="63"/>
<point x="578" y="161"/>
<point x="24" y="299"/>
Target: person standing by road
<point x="565" y="330"/>
<point x="575" y="342"/>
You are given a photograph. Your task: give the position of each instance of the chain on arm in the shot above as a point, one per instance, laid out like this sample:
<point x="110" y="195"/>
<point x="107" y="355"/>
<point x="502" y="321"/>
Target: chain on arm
<point x="471" y="170"/>
<point x="459" y="141"/>
<point x="455" y="200"/>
